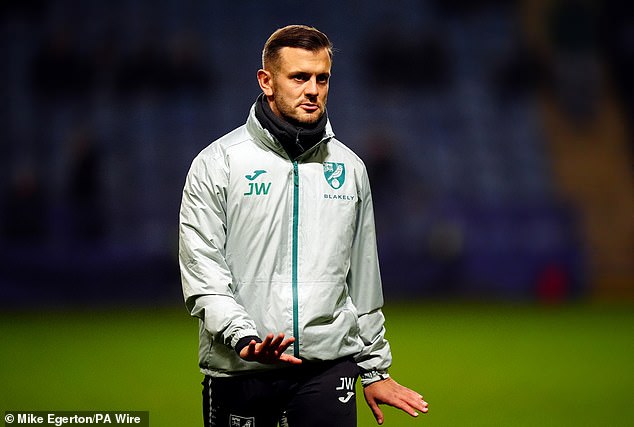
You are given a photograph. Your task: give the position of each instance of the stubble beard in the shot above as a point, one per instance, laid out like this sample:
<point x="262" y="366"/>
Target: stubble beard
<point x="291" y="115"/>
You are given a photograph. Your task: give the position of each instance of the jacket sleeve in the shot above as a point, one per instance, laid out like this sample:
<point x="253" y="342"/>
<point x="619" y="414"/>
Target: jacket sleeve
<point x="364" y="284"/>
<point x="205" y="275"/>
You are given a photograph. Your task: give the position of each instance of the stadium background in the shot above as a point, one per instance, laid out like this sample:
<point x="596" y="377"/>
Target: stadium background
<point x="498" y="137"/>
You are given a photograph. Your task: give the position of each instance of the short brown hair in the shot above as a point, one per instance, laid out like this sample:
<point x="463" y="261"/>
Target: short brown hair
<point x="300" y="36"/>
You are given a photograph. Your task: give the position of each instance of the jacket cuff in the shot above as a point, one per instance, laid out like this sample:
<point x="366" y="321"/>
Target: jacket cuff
<point x="244" y="341"/>
<point x="370" y="377"/>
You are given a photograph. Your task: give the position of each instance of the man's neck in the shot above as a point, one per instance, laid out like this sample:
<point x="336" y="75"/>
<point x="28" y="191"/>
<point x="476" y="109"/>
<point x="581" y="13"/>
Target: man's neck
<point x="296" y="138"/>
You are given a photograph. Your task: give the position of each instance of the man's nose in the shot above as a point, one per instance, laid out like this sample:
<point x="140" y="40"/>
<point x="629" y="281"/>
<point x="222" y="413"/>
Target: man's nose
<point x="311" y="87"/>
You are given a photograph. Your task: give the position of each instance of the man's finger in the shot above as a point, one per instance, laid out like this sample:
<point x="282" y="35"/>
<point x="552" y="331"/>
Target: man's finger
<point x="285" y="344"/>
<point x="378" y="415"/>
<point x="415" y="400"/>
<point x="287" y="358"/>
<point x="406" y="407"/>
<point x="267" y="341"/>
<point x="419" y="404"/>
<point x="374" y="407"/>
<point x="405" y="404"/>
<point x="251" y="349"/>
<point x="275" y="343"/>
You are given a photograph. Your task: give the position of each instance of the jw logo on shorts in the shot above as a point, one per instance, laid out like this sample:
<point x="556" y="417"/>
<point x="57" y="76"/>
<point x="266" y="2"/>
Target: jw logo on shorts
<point x="257" y="188"/>
<point x="335" y="174"/>
<point x="347" y="383"/>
<point x="236" y="421"/>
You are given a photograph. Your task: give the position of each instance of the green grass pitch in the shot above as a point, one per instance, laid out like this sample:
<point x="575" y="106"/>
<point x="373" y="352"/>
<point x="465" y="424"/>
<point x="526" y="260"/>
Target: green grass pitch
<point x="476" y="364"/>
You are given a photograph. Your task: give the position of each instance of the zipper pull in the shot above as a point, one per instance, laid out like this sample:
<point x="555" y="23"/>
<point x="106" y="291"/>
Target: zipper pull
<point x="301" y="149"/>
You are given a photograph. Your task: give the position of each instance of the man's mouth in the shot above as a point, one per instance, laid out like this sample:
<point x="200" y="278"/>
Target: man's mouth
<point x="309" y="108"/>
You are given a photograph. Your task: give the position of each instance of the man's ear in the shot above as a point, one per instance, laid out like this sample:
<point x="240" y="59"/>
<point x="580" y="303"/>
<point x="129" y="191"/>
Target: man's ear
<point x="265" y="80"/>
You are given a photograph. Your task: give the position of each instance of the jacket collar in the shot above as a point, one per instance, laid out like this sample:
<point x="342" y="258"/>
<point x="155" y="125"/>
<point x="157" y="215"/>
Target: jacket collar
<point x="264" y="137"/>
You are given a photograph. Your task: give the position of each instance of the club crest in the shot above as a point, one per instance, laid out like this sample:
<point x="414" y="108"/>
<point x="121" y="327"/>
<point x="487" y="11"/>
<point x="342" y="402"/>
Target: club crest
<point x="335" y="174"/>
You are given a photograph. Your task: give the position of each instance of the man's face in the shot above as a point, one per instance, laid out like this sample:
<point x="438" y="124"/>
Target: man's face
<point x="297" y="88"/>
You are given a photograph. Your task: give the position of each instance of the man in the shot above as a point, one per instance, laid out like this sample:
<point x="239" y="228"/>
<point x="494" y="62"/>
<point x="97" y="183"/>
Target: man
<point x="278" y="258"/>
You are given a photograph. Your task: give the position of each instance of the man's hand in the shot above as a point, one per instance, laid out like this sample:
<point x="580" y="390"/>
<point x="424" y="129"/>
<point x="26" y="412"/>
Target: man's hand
<point x="269" y="351"/>
<point x="389" y="392"/>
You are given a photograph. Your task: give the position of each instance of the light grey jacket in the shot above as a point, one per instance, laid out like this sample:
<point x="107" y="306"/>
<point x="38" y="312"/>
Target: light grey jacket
<point x="271" y="245"/>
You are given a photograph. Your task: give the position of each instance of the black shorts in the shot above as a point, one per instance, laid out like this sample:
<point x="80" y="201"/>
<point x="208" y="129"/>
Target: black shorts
<point x="312" y="394"/>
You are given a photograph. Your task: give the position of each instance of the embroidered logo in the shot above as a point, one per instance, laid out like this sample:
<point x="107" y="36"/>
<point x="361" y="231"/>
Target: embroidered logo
<point x="347" y="398"/>
<point x="236" y="421"/>
<point x="256" y="173"/>
<point x="335" y="174"/>
<point x="257" y="188"/>
<point x="347" y="383"/>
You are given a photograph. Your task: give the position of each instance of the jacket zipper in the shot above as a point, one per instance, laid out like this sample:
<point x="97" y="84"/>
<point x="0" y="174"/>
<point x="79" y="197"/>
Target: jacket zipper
<point x="294" y="259"/>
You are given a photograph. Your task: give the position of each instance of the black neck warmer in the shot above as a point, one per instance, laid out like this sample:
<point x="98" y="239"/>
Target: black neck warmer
<point x="295" y="139"/>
